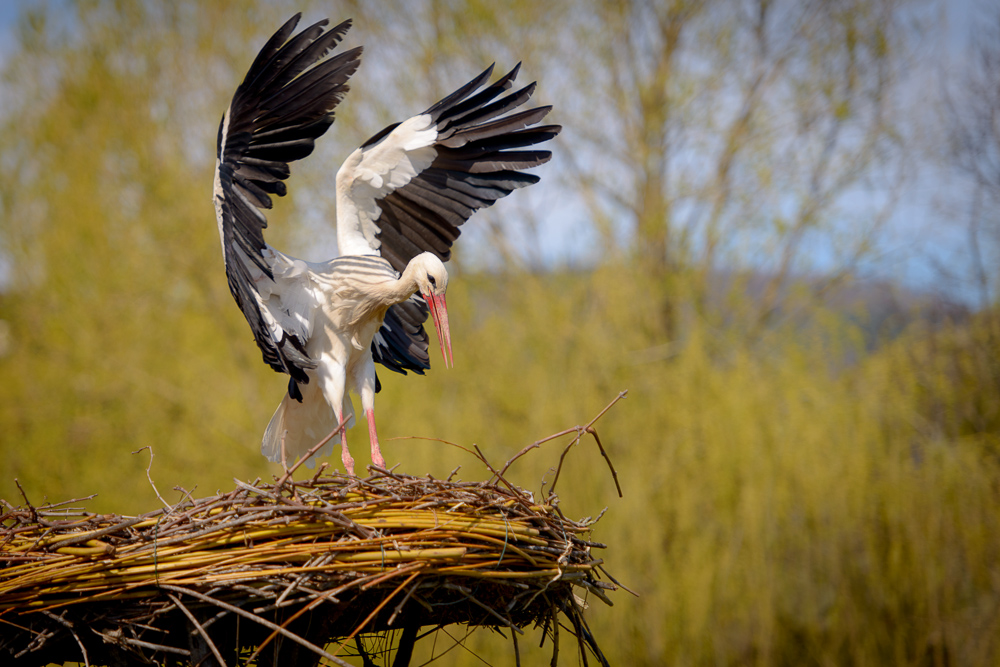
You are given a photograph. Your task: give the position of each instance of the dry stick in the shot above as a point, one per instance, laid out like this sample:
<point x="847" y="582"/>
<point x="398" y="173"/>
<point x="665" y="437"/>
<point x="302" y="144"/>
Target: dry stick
<point x="464" y="591"/>
<point x="139" y="642"/>
<point x="198" y="626"/>
<point x="315" y="448"/>
<point x="36" y="643"/>
<point x="284" y="458"/>
<point x="290" y="588"/>
<point x="517" y="651"/>
<point x="89" y="535"/>
<point x="614" y="473"/>
<point x="62" y="621"/>
<point x="257" y="619"/>
<point x="399" y="607"/>
<point x="555" y="634"/>
<point x="587" y="428"/>
<point x="575" y="615"/>
<point x="322" y="466"/>
<point x="388" y="472"/>
<point x="187" y="495"/>
<point x="49" y="506"/>
<point x="19" y="627"/>
<point x="34" y="512"/>
<point x="199" y="533"/>
<point x="165" y="503"/>
<point x="378" y="609"/>
<point x="330" y="594"/>
<point x="516" y="491"/>
<point x="562" y="457"/>
<point x="615" y="581"/>
<point x="535" y="445"/>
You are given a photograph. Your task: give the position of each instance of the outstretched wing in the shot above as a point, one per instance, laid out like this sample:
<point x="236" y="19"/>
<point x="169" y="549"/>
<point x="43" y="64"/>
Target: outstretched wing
<point x="409" y="189"/>
<point x="283" y="105"/>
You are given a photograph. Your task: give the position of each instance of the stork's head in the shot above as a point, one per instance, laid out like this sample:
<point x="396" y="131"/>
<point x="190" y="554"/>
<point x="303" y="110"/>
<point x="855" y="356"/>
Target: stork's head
<point x="432" y="283"/>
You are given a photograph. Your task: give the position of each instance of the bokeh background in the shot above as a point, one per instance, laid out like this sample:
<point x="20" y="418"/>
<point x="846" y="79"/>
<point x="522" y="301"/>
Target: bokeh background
<point x="776" y="223"/>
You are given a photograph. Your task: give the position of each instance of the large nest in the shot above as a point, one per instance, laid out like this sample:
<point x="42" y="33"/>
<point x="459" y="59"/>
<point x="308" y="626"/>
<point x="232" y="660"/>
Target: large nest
<point x="273" y="573"/>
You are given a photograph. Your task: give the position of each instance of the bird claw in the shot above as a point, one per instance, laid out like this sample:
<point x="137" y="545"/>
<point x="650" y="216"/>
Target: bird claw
<point x="348" y="462"/>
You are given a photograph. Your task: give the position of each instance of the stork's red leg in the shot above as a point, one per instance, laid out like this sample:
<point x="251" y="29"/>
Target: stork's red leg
<point x="373" y="436"/>
<point x="345" y="454"/>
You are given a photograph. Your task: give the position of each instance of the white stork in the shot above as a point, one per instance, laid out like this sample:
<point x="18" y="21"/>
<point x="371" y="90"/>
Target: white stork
<point x="401" y="198"/>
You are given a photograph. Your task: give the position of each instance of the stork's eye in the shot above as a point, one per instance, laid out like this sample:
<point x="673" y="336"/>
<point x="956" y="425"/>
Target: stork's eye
<point x="431" y="280"/>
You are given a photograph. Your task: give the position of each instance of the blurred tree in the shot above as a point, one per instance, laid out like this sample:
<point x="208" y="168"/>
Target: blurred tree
<point x="704" y="139"/>
<point x="729" y="134"/>
<point x="118" y="322"/>
<point x="973" y="150"/>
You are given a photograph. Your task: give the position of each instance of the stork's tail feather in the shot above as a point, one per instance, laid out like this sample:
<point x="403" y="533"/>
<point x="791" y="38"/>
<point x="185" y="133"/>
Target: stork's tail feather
<point x="302" y="425"/>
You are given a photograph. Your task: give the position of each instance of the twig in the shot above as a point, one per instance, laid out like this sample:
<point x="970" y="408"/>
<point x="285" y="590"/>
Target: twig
<point x="366" y="660"/>
<point x="49" y="506"/>
<point x="517" y="651"/>
<point x="378" y="609"/>
<point x="187" y="494"/>
<point x="516" y="491"/>
<point x="312" y="450"/>
<point x="328" y="595"/>
<point x="257" y="619"/>
<point x="535" y="445"/>
<point x="616" y="582"/>
<point x="588" y="428"/>
<point x="138" y="642"/>
<point x="165" y="503"/>
<point x="198" y="626"/>
<point x="322" y="466"/>
<point x="31" y="508"/>
<point x="69" y="626"/>
<point x="554" y="614"/>
<point x="614" y="473"/>
<point x="464" y="591"/>
<point x="562" y="457"/>
<point x="399" y="607"/>
<point x="90" y="535"/>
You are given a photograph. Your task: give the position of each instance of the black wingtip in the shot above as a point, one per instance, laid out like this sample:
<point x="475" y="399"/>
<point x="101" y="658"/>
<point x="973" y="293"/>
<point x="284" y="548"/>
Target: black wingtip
<point x="291" y="23"/>
<point x="461" y="93"/>
<point x="284" y="104"/>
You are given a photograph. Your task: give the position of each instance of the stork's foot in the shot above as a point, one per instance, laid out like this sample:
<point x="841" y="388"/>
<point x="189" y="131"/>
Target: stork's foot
<point x="373" y="437"/>
<point x="345" y="454"/>
<point x="348" y="460"/>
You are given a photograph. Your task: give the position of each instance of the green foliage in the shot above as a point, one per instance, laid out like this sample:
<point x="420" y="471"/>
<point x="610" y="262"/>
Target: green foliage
<point x="780" y="506"/>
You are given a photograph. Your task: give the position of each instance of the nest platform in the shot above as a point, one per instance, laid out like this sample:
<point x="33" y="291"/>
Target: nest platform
<point x="294" y="573"/>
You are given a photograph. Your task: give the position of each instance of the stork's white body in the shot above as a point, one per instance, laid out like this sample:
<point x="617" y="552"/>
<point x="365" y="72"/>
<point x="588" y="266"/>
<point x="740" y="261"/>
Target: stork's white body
<point x="337" y="307"/>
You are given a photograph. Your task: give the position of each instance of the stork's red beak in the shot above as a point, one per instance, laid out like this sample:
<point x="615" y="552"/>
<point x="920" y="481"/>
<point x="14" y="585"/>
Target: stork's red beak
<point x="439" y="311"/>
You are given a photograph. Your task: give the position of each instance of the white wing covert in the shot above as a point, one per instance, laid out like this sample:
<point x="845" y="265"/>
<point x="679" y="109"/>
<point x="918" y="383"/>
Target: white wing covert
<point x="409" y="188"/>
